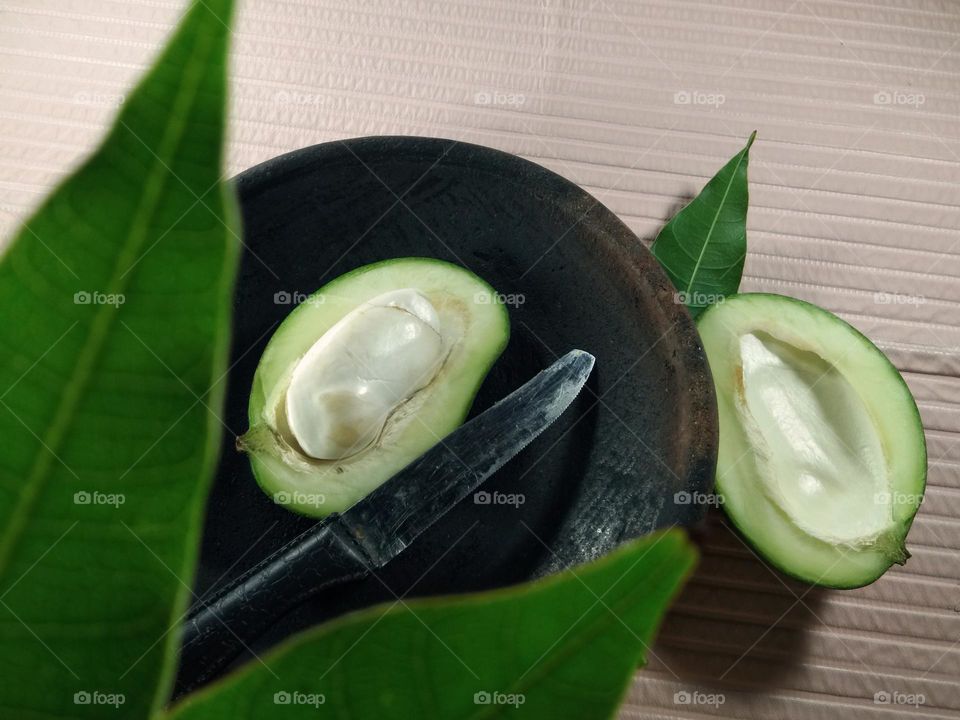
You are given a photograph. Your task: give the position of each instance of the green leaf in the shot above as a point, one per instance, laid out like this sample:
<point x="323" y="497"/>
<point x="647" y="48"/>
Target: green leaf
<point x="703" y="247"/>
<point x="562" y="647"/>
<point x="116" y="314"/>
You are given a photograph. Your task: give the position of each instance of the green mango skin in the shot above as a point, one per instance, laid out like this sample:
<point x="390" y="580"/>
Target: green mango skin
<point x="888" y="402"/>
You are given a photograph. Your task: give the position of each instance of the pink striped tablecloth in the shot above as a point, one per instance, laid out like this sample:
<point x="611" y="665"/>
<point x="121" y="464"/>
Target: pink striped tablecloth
<point x="855" y="181"/>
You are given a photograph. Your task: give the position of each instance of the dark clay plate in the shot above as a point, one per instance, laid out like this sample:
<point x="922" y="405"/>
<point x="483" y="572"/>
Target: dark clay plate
<point x="643" y="430"/>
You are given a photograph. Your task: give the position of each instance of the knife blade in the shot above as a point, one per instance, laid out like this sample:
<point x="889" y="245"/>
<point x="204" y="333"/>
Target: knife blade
<point x="348" y="546"/>
<point x="387" y="520"/>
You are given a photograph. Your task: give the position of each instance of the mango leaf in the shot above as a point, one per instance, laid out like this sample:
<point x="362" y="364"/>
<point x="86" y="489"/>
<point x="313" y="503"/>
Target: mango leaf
<point x="562" y="647"/>
<point x="703" y="247"/>
<point x="116" y="312"/>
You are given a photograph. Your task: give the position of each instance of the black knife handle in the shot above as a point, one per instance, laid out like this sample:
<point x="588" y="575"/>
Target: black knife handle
<point x="219" y="629"/>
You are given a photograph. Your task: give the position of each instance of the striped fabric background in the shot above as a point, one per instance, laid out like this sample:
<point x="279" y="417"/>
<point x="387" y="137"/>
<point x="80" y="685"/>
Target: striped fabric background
<point x="855" y="182"/>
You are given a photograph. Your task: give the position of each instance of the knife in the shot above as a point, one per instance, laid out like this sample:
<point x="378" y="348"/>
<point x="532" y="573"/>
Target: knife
<point x="348" y="546"/>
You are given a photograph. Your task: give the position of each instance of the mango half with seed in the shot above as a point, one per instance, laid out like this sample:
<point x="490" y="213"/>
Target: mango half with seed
<point x="822" y="460"/>
<point x="366" y="375"/>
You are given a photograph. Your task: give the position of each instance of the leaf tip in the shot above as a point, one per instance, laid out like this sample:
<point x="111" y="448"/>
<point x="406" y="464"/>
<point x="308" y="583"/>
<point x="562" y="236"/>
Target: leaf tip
<point x="753" y="136"/>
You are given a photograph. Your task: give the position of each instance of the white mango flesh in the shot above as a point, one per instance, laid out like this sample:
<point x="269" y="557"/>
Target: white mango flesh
<point x="347" y="385"/>
<point x="822" y="450"/>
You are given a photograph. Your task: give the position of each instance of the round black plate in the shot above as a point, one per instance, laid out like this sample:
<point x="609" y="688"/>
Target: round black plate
<point x="643" y="430"/>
